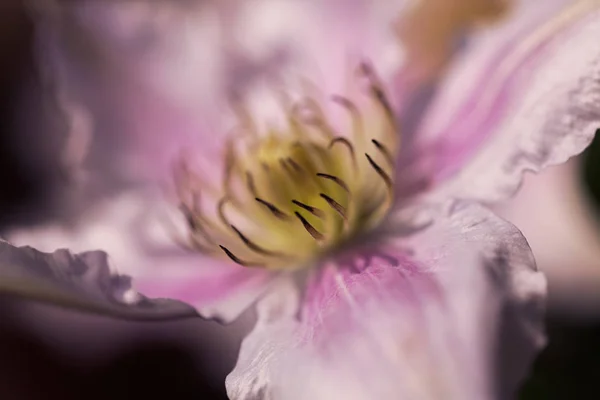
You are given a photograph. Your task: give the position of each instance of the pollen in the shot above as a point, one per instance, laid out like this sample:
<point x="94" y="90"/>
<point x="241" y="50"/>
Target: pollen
<point x="289" y="195"/>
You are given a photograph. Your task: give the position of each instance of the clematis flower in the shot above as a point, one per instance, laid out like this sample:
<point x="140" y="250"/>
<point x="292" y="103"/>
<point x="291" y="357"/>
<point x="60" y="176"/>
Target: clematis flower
<point x="376" y="275"/>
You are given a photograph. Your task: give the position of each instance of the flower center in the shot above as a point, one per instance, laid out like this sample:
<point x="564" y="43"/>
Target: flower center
<point x="288" y="197"/>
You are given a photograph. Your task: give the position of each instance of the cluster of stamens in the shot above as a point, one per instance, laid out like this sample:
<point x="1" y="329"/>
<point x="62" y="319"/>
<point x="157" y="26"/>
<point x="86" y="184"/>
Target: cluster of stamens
<point x="288" y="197"/>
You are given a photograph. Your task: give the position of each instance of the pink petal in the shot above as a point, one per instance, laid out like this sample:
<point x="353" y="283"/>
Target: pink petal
<point x="430" y="316"/>
<point x="522" y="97"/>
<point x="217" y="289"/>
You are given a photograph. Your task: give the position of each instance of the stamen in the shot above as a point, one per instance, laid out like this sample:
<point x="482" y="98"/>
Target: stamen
<point x="386" y="178"/>
<point x="376" y="90"/>
<point x="195" y="221"/>
<point x="290" y="166"/>
<point x="276" y="211"/>
<point x="313" y="210"/>
<point x="221" y="211"/>
<point x="295" y="165"/>
<point x="250" y="183"/>
<point x="238" y="260"/>
<point x="309" y="228"/>
<point x="335" y="179"/>
<point x="385" y="152"/>
<point x="284" y="166"/>
<point x="353" y="110"/>
<point x="318" y="116"/>
<point x="348" y="145"/>
<point x="194" y="244"/>
<point x="229" y="164"/>
<point x="335" y="205"/>
<point x="253" y="246"/>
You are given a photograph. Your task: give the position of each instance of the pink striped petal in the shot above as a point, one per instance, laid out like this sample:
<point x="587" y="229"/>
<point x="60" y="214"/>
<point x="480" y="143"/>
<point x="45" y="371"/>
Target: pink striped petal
<point x="521" y="97"/>
<point x="453" y="312"/>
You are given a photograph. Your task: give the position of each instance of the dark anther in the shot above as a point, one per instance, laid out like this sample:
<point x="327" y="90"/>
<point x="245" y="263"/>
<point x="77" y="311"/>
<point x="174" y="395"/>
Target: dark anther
<point x="295" y="165"/>
<point x="285" y="166"/>
<point x="335" y="205"/>
<point x="195" y="222"/>
<point x="313" y="210"/>
<point x="386" y="178"/>
<point x="253" y="246"/>
<point x="335" y="179"/>
<point x="376" y="90"/>
<point x="276" y="211"/>
<point x="237" y="260"/>
<point x="384" y="151"/>
<point x="309" y="228"/>
<point x="346" y="143"/>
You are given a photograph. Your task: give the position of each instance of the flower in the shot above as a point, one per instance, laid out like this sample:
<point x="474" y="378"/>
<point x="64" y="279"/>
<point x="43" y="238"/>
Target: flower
<point x="376" y="221"/>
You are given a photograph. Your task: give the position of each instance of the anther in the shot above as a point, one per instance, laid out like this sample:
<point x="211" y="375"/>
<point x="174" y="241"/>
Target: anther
<point x="309" y="228"/>
<point x="194" y="221"/>
<point x="385" y="152"/>
<point x="285" y="166"/>
<point x="313" y="210"/>
<point x="335" y="205"/>
<point x="376" y="90"/>
<point x="274" y="210"/>
<point x="348" y="105"/>
<point x="386" y="178"/>
<point x="348" y="145"/>
<point x="335" y="179"/>
<point x="353" y="111"/>
<point x="238" y="260"/>
<point x="295" y="165"/>
<point x="253" y="246"/>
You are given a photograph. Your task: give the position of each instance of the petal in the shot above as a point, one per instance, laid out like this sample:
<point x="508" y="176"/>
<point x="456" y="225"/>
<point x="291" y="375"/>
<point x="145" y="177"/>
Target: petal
<point x="451" y="312"/>
<point x="83" y="281"/>
<point x="134" y="229"/>
<point x="522" y="97"/>
<point x="553" y="212"/>
<point x="273" y="335"/>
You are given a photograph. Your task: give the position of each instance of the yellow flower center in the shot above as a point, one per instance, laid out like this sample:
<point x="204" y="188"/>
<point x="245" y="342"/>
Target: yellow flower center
<point x="288" y="197"/>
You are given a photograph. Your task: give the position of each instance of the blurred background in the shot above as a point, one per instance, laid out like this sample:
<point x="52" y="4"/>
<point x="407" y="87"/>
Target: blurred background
<point x="48" y="353"/>
<point x="52" y="353"/>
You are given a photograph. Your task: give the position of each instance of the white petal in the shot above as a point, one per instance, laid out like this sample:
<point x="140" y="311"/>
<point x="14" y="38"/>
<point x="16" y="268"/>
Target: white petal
<point x="457" y="314"/>
<point x="523" y="97"/>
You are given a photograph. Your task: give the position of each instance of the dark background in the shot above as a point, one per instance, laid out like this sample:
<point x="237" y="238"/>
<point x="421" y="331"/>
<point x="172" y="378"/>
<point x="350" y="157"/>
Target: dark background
<point x="176" y="366"/>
